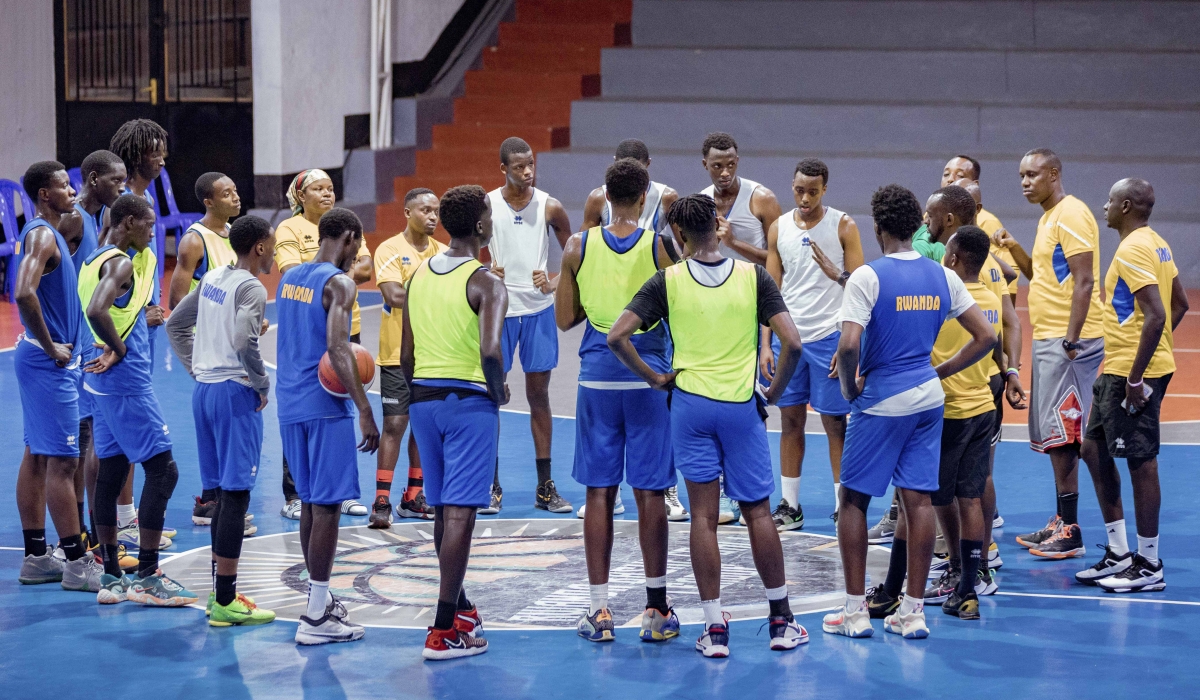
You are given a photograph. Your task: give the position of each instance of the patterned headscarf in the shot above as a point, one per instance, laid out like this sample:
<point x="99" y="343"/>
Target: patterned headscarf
<point x="304" y="179"/>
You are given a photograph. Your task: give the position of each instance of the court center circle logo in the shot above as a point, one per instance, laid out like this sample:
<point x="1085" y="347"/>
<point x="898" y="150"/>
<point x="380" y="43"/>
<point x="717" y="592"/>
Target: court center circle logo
<point x="523" y="574"/>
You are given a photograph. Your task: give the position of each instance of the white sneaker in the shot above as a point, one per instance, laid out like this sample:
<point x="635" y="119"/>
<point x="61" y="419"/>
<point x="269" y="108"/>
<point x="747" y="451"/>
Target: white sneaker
<point x="910" y="626"/>
<point x="786" y="634"/>
<point x="994" y="561"/>
<point x="850" y="624"/>
<point x="353" y="507"/>
<point x="728" y="510"/>
<point x="44" y="569"/>
<point x="997" y="521"/>
<point x="675" y="509"/>
<point x="1139" y="576"/>
<point x="326" y="630"/>
<point x="83" y="574"/>
<point x="291" y="509"/>
<point x="1109" y="565"/>
<point x="618" y="507"/>
<point x="714" y="641"/>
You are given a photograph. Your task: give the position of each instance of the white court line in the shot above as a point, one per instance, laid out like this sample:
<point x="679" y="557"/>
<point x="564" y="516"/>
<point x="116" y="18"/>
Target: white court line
<point x="14" y="549"/>
<point x="1108" y="599"/>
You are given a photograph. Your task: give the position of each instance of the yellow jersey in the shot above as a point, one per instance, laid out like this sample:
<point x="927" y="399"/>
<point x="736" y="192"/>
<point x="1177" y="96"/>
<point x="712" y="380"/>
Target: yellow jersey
<point x="1067" y="230"/>
<point x="395" y="261"/>
<point x="296" y="242"/>
<point x="967" y="393"/>
<point x="991" y="276"/>
<point x="987" y="221"/>
<point x="1142" y="259"/>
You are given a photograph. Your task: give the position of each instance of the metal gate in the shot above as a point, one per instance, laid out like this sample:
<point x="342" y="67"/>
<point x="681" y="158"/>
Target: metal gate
<point x="184" y="63"/>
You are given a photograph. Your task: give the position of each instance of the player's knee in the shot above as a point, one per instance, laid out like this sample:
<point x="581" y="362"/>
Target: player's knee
<point x="161" y="475"/>
<point x="229" y="528"/>
<point x="857" y="499"/>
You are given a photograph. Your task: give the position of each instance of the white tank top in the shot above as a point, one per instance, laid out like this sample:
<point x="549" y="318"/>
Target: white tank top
<point x="653" y="218"/>
<point x="745" y="226"/>
<point x="214" y="358"/>
<point x="813" y="299"/>
<point x="520" y="245"/>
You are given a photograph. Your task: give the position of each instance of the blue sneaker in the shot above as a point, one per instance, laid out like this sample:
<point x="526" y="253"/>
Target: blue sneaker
<point x="113" y="589"/>
<point x="728" y="511"/>
<point x="657" y="627"/>
<point x="159" y="591"/>
<point x="597" y="627"/>
<point x="714" y="643"/>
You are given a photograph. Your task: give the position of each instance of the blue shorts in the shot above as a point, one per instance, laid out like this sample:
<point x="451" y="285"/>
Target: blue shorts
<point x="229" y="435"/>
<point x="535" y="337"/>
<point x="322" y="456"/>
<point x="85" y="398"/>
<point x="128" y="425"/>
<point x="49" y="402"/>
<point x="623" y="431"/>
<point x="811" y="383"/>
<point x="901" y="450"/>
<point x="714" y="438"/>
<point x="457" y="438"/>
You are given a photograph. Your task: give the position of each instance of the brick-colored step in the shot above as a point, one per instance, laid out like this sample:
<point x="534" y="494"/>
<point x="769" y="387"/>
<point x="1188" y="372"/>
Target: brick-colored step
<point x="536" y="58"/>
<point x="492" y="110"/>
<point x="522" y="34"/>
<point x="523" y="86"/>
<point x="439" y="184"/>
<point x="540" y="138"/>
<point x="574" y="10"/>
<point x="446" y="161"/>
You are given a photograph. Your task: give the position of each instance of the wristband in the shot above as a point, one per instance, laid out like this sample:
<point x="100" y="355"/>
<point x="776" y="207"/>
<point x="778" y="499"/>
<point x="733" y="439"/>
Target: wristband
<point x="1139" y="383"/>
<point x="1010" y="372"/>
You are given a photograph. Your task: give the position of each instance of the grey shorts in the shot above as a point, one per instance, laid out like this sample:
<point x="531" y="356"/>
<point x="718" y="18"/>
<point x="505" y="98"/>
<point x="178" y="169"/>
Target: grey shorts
<point x="1061" y="396"/>
<point x="393" y="391"/>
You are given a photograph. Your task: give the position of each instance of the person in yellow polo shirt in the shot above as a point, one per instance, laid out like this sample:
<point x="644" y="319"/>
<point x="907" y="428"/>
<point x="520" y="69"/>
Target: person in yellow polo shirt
<point x="1141" y="288"/>
<point x="296" y="241"/>
<point x="962" y="167"/>
<point x="1068" y="342"/>
<point x="205" y="245"/>
<point x="396" y="260"/>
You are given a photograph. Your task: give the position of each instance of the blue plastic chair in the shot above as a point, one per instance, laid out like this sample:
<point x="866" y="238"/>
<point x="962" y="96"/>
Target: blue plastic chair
<point x="76" y="179"/>
<point x="9" y="193"/>
<point x="174" y="219"/>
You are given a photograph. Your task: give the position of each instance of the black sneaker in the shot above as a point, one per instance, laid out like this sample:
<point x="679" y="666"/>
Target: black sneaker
<point x="416" y="508"/>
<point x="943" y="587"/>
<point x="962" y="607"/>
<point x="1109" y="565"/>
<point x="1035" y="538"/>
<point x="786" y="517"/>
<point x="381" y="514"/>
<point x="496" y="503"/>
<point x="547" y="498"/>
<point x="880" y="604"/>
<point x="985" y="583"/>
<point x="1139" y="576"/>
<point x="203" y="512"/>
<point x="1065" y="543"/>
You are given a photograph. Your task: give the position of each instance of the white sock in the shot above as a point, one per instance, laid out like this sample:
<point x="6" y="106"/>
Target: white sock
<point x="777" y="593"/>
<point x="909" y="605"/>
<point x="712" y="612"/>
<point x="125" y="514"/>
<point x="837" y="494"/>
<point x="318" y="597"/>
<point x="599" y="594"/>
<point x="1148" y="548"/>
<point x="1118" y="539"/>
<point x="854" y="603"/>
<point x="791" y="490"/>
<point x="656" y="582"/>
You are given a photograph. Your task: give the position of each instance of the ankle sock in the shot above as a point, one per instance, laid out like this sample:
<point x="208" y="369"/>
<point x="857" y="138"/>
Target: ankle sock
<point x="599" y="597"/>
<point x="1148" y="548"/>
<point x="970" y="552"/>
<point x="416" y="482"/>
<point x="791" y="489"/>
<point x="318" y="599"/>
<point x="112" y="561"/>
<point x="909" y="605"/>
<point x="72" y="547"/>
<point x="543" y="470"/>
<point x="777" y="600"/>
<point x="226" y="587"/>
<point x="897" y="568"/>
<point x="35" y="542"/>
<point x="125" y="514"/>
<point x="854" y="603"/>
<point x="383" y="482"/>
<point x="656" y="594"/>
<point x="1118" y="539"/>
<point x="1068" y="508"/>
<point x="712" y="612"/>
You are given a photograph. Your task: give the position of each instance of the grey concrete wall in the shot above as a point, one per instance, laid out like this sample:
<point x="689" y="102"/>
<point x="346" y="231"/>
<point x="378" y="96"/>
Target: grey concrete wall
<point x="27" y="127"/>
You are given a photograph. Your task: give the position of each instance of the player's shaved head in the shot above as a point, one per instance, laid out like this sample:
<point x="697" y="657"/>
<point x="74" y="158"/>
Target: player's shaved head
<point x="1138" y="193"/>
<point x="972" y="189"/>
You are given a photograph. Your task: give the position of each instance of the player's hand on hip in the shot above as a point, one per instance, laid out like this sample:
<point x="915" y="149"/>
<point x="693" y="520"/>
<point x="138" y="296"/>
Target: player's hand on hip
<point x="665" y="382"/>
<point x="542" y="281"/>
<point x="833" y="367"/>
<point x="263" y="399"/>
<point x="60" y="353"/>
<point x="1014" y="393"/>
<point x="106" y="361"/>
<point x="266" y="326"/>
<point x="370" y="433"/>
<point x="498" y="271"/>
<point x="154" y="315"/>
<point x="1135" y="397"/>
<point x="766" y="363"/>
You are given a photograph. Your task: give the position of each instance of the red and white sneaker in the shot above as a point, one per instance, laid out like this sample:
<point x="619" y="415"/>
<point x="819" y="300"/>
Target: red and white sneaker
<point x="469" y="622"/>
<point x="451" y="644"/>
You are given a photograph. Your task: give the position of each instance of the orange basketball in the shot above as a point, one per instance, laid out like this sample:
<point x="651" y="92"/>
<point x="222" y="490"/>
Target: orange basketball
<point x="329" y="378"/>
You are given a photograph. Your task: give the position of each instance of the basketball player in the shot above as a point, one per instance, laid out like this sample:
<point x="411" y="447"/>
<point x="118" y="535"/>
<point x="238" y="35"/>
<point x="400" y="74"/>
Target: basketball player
<point x="714" y="306"/>
<point x="214" y="331"/>
<point x="1068" y="339"/>
<point x="47" y="367"/>
<point x="622" y="428"/>
<point x="452" y="356"/>
<point x="962" y="167"/>
<point x="297" y="241"/>
<point x="314" y="303"/>
<point x="811" y="282"/>
<point x="205" y="245"/>
<point x="894" y="308"/>
<point x="598" y="212"/>
<point x="522" y="219"/>
<point x="395" y="261"/>
<point x="115" y="290"/>
<point x="1142" y="286"/>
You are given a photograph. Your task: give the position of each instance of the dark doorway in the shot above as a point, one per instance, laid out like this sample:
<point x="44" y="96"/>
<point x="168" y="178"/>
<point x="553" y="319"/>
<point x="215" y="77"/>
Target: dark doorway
<point x="183" y="63"/>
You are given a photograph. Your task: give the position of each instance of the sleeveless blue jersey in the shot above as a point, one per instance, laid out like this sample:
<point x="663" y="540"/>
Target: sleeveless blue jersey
<point x="914" y="300"/>
<point x="301" y="343"/>
<point x="91" y="236"/>
<point x="133" y="375"/>
<point x="58" y="291"/>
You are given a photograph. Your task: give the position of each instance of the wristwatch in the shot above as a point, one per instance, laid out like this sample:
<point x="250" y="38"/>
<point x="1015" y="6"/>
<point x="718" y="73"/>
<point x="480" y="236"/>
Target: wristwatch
<point x="843" y="277"/>
<point x="1069" y="346"/>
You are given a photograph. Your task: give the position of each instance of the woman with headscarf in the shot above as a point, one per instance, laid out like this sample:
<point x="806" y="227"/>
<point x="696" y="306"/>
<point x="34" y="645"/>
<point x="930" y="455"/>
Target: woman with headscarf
<point x="310" y="196"/>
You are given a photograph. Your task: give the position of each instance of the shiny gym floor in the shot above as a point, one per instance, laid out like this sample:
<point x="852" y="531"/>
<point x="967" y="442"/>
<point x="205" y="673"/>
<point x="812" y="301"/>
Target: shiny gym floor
<point x="1042" y="635"/>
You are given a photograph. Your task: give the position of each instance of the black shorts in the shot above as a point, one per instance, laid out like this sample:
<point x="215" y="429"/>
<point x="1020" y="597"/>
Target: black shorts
<point x="1130" y="437"/>
<point x="393" y="391"/>
<point x="996" y="384"/>
<point x="963" y="470"/>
